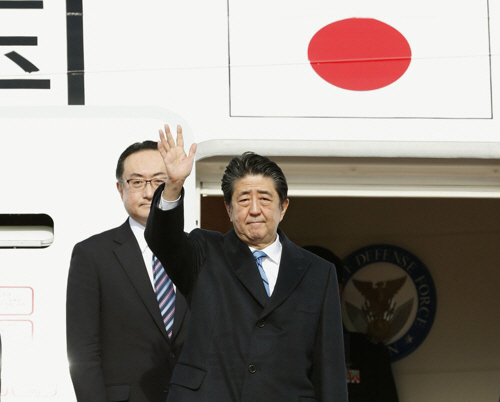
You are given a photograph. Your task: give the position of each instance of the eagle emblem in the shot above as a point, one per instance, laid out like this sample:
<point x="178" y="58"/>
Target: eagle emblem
<point x="380" y="314"/>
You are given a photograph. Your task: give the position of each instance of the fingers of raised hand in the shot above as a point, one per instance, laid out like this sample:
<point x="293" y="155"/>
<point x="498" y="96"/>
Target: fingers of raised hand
<point x="192" y="150"/>
<point x="180" y="137"/>
<point x="169" y="138"/>
<point x="163" y="146"/>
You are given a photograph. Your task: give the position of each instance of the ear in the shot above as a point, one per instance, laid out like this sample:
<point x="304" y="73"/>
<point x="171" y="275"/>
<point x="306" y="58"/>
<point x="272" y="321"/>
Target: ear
<point x="284" y="207"/>
<point x="228" y="210"/>
<point x="119" y="187"/>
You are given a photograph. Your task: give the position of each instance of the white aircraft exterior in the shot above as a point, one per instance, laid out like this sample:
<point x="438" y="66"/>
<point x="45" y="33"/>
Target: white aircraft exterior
<point x="236" y="76"/>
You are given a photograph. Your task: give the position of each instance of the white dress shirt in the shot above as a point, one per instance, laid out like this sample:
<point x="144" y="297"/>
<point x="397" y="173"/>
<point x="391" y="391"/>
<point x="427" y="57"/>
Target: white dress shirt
<point x="147" y="254"/>
<point x="271" y="263"/>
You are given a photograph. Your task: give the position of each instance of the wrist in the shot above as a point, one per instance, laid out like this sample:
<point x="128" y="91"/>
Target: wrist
<point x="172" y="190"/>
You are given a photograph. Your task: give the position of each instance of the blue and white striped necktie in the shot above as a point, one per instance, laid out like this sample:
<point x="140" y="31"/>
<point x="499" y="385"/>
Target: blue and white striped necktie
<point x="259" y="255"/>
<point x="164" y="289"/>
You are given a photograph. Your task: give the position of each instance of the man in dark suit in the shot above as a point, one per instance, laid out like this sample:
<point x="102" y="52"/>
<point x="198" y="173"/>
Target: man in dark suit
<point x="265" y="328"/>
<point x="120" y="347"/>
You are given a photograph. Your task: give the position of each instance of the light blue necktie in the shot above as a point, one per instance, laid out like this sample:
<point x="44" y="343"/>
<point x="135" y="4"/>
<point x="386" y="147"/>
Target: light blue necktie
<point x="165" y="295"/>
<point x="259" y="255"/>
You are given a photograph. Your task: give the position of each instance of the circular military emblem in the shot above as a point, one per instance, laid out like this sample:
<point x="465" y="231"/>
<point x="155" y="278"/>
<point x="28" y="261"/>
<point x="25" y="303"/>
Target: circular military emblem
<point x="388" y="294"/>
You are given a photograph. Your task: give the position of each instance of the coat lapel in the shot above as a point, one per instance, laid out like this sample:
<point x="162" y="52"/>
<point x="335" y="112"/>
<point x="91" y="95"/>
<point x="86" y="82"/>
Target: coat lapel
<point x="129" y="256"/>
<point x="293" y="267"/>
<point x="180" y="312"/>
<point x="239" y="257"/>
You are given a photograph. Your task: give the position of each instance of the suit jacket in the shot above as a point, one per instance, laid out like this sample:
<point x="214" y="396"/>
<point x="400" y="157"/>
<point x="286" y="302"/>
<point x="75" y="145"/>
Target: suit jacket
<point x="243" y="346"/>
<point x="118" y="347"/>
<point x="369" y="372"/>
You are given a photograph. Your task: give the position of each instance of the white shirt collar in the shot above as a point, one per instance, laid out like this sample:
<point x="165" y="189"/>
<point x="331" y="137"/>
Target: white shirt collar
<point x="273" y="251"/>
<point x="147" y="254"/>
<point x="138" y="231"/>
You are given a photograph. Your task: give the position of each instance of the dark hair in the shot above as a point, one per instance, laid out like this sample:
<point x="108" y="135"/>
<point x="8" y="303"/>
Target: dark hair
<point x="252" y="164"/>
<point x="329" y="256"/>
<point x="132" y="149"/>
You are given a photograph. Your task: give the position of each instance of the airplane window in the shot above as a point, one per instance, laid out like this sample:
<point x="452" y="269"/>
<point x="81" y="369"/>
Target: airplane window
<point x="26" y="230"/>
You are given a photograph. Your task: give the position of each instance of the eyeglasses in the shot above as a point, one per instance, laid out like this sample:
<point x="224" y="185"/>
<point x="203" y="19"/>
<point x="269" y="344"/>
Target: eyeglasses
<point x="140" y="184"/>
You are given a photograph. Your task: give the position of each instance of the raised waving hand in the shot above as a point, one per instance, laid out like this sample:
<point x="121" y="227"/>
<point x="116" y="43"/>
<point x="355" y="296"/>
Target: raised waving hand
<point x="177" y="163"/>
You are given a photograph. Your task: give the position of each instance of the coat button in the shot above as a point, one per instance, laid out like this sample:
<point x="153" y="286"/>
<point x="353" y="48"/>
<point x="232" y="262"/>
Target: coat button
<point x="252" y="368"/>
<point x="172" y="355"/>
<point x="261" y="323"/>
<point x="166" y="389"/>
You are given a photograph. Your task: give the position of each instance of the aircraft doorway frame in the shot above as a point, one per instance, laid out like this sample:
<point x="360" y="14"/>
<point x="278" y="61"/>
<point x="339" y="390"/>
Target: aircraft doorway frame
<point x="362" y="169"/>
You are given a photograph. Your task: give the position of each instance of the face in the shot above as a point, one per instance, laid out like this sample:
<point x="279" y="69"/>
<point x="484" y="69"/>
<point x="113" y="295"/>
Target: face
<point x="146" y="165"/>
<point x="256" y="211"/>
